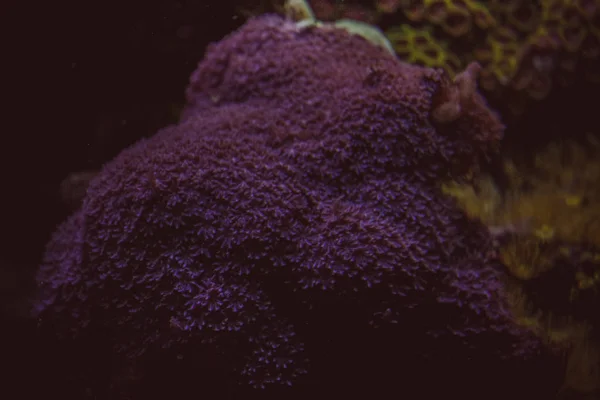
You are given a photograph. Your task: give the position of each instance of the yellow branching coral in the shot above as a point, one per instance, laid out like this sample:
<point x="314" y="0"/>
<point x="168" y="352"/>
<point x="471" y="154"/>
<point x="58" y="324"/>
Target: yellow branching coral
<point x="452" y="16"/>
<point x="556" y="198"/>
<point x="525" y="258"/>
<point x="560" y="332"/>
<point x="455" y="17"/>
<point x="499" y="54"/>
<point x="547" y="226"/>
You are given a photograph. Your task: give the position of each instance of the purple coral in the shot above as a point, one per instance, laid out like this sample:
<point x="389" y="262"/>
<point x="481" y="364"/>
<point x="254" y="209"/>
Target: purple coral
<point x="306" y="162"/>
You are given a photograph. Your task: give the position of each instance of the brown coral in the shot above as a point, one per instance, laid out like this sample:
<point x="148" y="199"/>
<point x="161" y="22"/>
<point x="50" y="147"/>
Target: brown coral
<point x="453" y="98"/>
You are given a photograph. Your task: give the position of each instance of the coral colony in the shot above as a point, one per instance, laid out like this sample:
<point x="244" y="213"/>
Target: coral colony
<point x="525" y="47"/>
<point x="308" y="161"/>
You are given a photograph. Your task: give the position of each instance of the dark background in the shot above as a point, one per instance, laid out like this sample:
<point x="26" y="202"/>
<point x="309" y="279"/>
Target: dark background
<point x="81" y="81"/>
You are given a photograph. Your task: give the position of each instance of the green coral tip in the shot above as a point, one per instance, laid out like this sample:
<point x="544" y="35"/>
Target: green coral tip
<point x="367" y="31"/>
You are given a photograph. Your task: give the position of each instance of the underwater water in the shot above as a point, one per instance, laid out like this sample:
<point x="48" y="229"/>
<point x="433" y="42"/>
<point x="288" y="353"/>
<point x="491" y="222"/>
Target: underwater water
<point x="253" y="199"/>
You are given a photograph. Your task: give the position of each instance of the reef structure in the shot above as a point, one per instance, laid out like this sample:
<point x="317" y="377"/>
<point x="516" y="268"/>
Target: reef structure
<point x="526" y="48"/>
<point x="546" y="220"/>
<point x="306" y="165"/>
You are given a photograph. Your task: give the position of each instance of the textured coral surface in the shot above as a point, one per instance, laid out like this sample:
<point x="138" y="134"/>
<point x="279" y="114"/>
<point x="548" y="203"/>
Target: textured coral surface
<point x="302" y="178"/>
<point x="527" y="48"/>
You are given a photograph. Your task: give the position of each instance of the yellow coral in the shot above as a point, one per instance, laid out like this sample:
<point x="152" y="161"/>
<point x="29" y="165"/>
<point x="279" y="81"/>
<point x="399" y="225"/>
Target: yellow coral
<point x="480" y="202"/>
<point x="452" y="16"/>
<point x="561" y="203"/>
<point x="413" y="9"/>
<point x="562" y="332"/>
<point x="456" y="17"/>
<point x="419" y="47"/>
<point x="524" y="258"/>
<point x="504" y="6"/>
<point x="499" y="55"/>
<point x="523" y="46"/>
<point x="548" y="218"/>
<point x="482" y="17"/>
<point x="524" y="16"/>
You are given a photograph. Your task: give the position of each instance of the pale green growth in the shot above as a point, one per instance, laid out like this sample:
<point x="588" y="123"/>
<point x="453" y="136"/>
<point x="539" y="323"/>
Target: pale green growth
<point x="300" y="12"/>
<point x="369" y="32"/>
